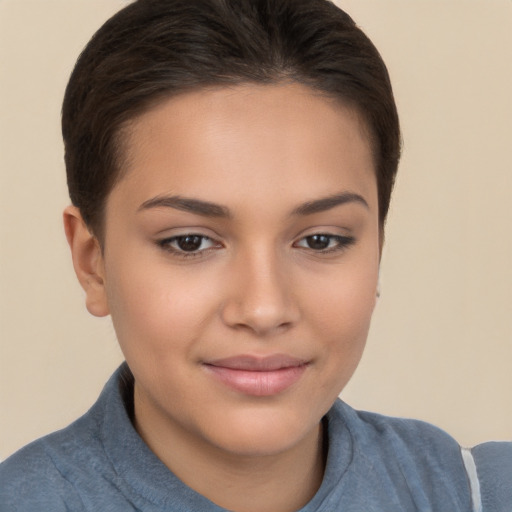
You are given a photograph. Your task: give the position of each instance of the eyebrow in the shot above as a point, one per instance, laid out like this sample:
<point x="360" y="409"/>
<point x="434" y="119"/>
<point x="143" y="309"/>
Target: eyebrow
<point x="327" y="203"/>
<point x="208" y="209"/>
<point x="197" y="206"/>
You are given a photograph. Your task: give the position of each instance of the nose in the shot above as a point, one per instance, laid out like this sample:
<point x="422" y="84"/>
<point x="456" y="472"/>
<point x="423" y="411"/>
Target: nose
<point x="261" y="297"/>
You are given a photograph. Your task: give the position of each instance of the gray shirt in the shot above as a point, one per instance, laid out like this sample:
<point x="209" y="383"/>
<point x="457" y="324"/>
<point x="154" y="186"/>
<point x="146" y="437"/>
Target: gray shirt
<point x="374" y="463"/>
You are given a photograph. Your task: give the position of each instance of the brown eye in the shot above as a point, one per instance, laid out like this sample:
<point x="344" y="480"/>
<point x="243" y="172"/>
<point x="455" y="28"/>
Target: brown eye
<point x="324" y="243"/>
<point x="189" y="243"/>
<point x="318" y="242"/>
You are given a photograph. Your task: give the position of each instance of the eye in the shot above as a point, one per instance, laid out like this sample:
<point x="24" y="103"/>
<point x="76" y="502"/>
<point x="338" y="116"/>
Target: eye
<point x="189" y="244"/>
<point x="322" y="242"/>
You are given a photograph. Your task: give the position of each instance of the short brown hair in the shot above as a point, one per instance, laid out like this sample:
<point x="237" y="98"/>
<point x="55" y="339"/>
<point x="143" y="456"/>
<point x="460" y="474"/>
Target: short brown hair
<point x="154" y="49"/>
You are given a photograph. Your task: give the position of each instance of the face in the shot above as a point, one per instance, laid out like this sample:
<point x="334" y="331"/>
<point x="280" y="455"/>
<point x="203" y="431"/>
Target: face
<point x="240" y="263"/>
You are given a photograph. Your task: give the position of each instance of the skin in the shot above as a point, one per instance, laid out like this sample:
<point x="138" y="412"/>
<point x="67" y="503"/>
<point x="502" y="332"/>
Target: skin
<point x="254" y="286"/>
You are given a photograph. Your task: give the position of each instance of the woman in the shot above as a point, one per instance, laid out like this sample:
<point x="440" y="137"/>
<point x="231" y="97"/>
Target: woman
<point x="230" y="166"/>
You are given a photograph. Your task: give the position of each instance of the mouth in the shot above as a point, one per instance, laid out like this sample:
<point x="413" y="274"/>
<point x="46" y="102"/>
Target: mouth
<point x="257" y="376"/>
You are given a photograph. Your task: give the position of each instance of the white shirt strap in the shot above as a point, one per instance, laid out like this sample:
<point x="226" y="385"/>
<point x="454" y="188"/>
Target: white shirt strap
<point x="474" y="483"/>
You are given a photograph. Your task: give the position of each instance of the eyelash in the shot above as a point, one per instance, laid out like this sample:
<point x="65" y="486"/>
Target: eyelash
<point x="342" y="243"/>
<point x="166" y="244"/>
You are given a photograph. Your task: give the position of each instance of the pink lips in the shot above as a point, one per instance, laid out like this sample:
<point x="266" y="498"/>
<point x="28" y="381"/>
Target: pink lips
<point x="258" y="376"/>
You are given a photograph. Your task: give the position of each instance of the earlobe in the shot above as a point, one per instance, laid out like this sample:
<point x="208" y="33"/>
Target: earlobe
<point x="87" y="261"/>
<point x="377" y="291"/>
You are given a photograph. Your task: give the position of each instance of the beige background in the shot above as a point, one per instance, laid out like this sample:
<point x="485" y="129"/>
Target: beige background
<point x="441" y="342"/>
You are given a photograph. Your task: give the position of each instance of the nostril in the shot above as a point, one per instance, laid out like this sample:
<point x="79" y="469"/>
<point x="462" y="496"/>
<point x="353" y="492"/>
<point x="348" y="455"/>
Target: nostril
<point x="260" y="295"/>
<point x="270" y="317"/>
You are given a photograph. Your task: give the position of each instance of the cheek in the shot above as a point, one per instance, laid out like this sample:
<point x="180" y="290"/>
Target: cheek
<point x="344" y="300"/>
<point x="143" y="304"/>
<point x="157" y="310"/>
<point x="343" y="312"/>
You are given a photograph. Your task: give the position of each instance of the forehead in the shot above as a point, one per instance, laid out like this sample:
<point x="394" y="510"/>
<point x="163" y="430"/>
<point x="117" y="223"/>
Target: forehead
<point x="248" y="138"/>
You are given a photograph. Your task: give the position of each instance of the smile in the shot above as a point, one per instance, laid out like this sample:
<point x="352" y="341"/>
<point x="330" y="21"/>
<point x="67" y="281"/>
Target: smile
<point x="258" y="376"/>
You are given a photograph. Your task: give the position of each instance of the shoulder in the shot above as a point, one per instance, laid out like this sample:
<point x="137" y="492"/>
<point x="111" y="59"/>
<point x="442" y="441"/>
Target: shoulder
<point x="425" y="441"/>
<point x="40" y="475"/>
<point x="493" y="464"/>
<point x="429" y="459"/>
<point x="420" y="462"/>
<point x="46" y="474"/>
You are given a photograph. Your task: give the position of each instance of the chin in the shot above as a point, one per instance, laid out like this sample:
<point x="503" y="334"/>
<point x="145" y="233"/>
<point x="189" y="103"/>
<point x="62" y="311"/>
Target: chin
<point x="262" y="433"/>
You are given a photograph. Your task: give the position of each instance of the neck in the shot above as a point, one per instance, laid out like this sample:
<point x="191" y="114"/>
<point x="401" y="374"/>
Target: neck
<point x="282" y="482"/>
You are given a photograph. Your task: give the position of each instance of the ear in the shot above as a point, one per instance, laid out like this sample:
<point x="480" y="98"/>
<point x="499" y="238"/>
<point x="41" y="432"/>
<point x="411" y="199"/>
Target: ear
<point x="381" y="242"/>
<point x="87" y="261"/>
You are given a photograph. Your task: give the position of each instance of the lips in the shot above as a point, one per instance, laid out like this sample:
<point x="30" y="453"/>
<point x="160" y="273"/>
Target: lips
<point x="257" y="376"/>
